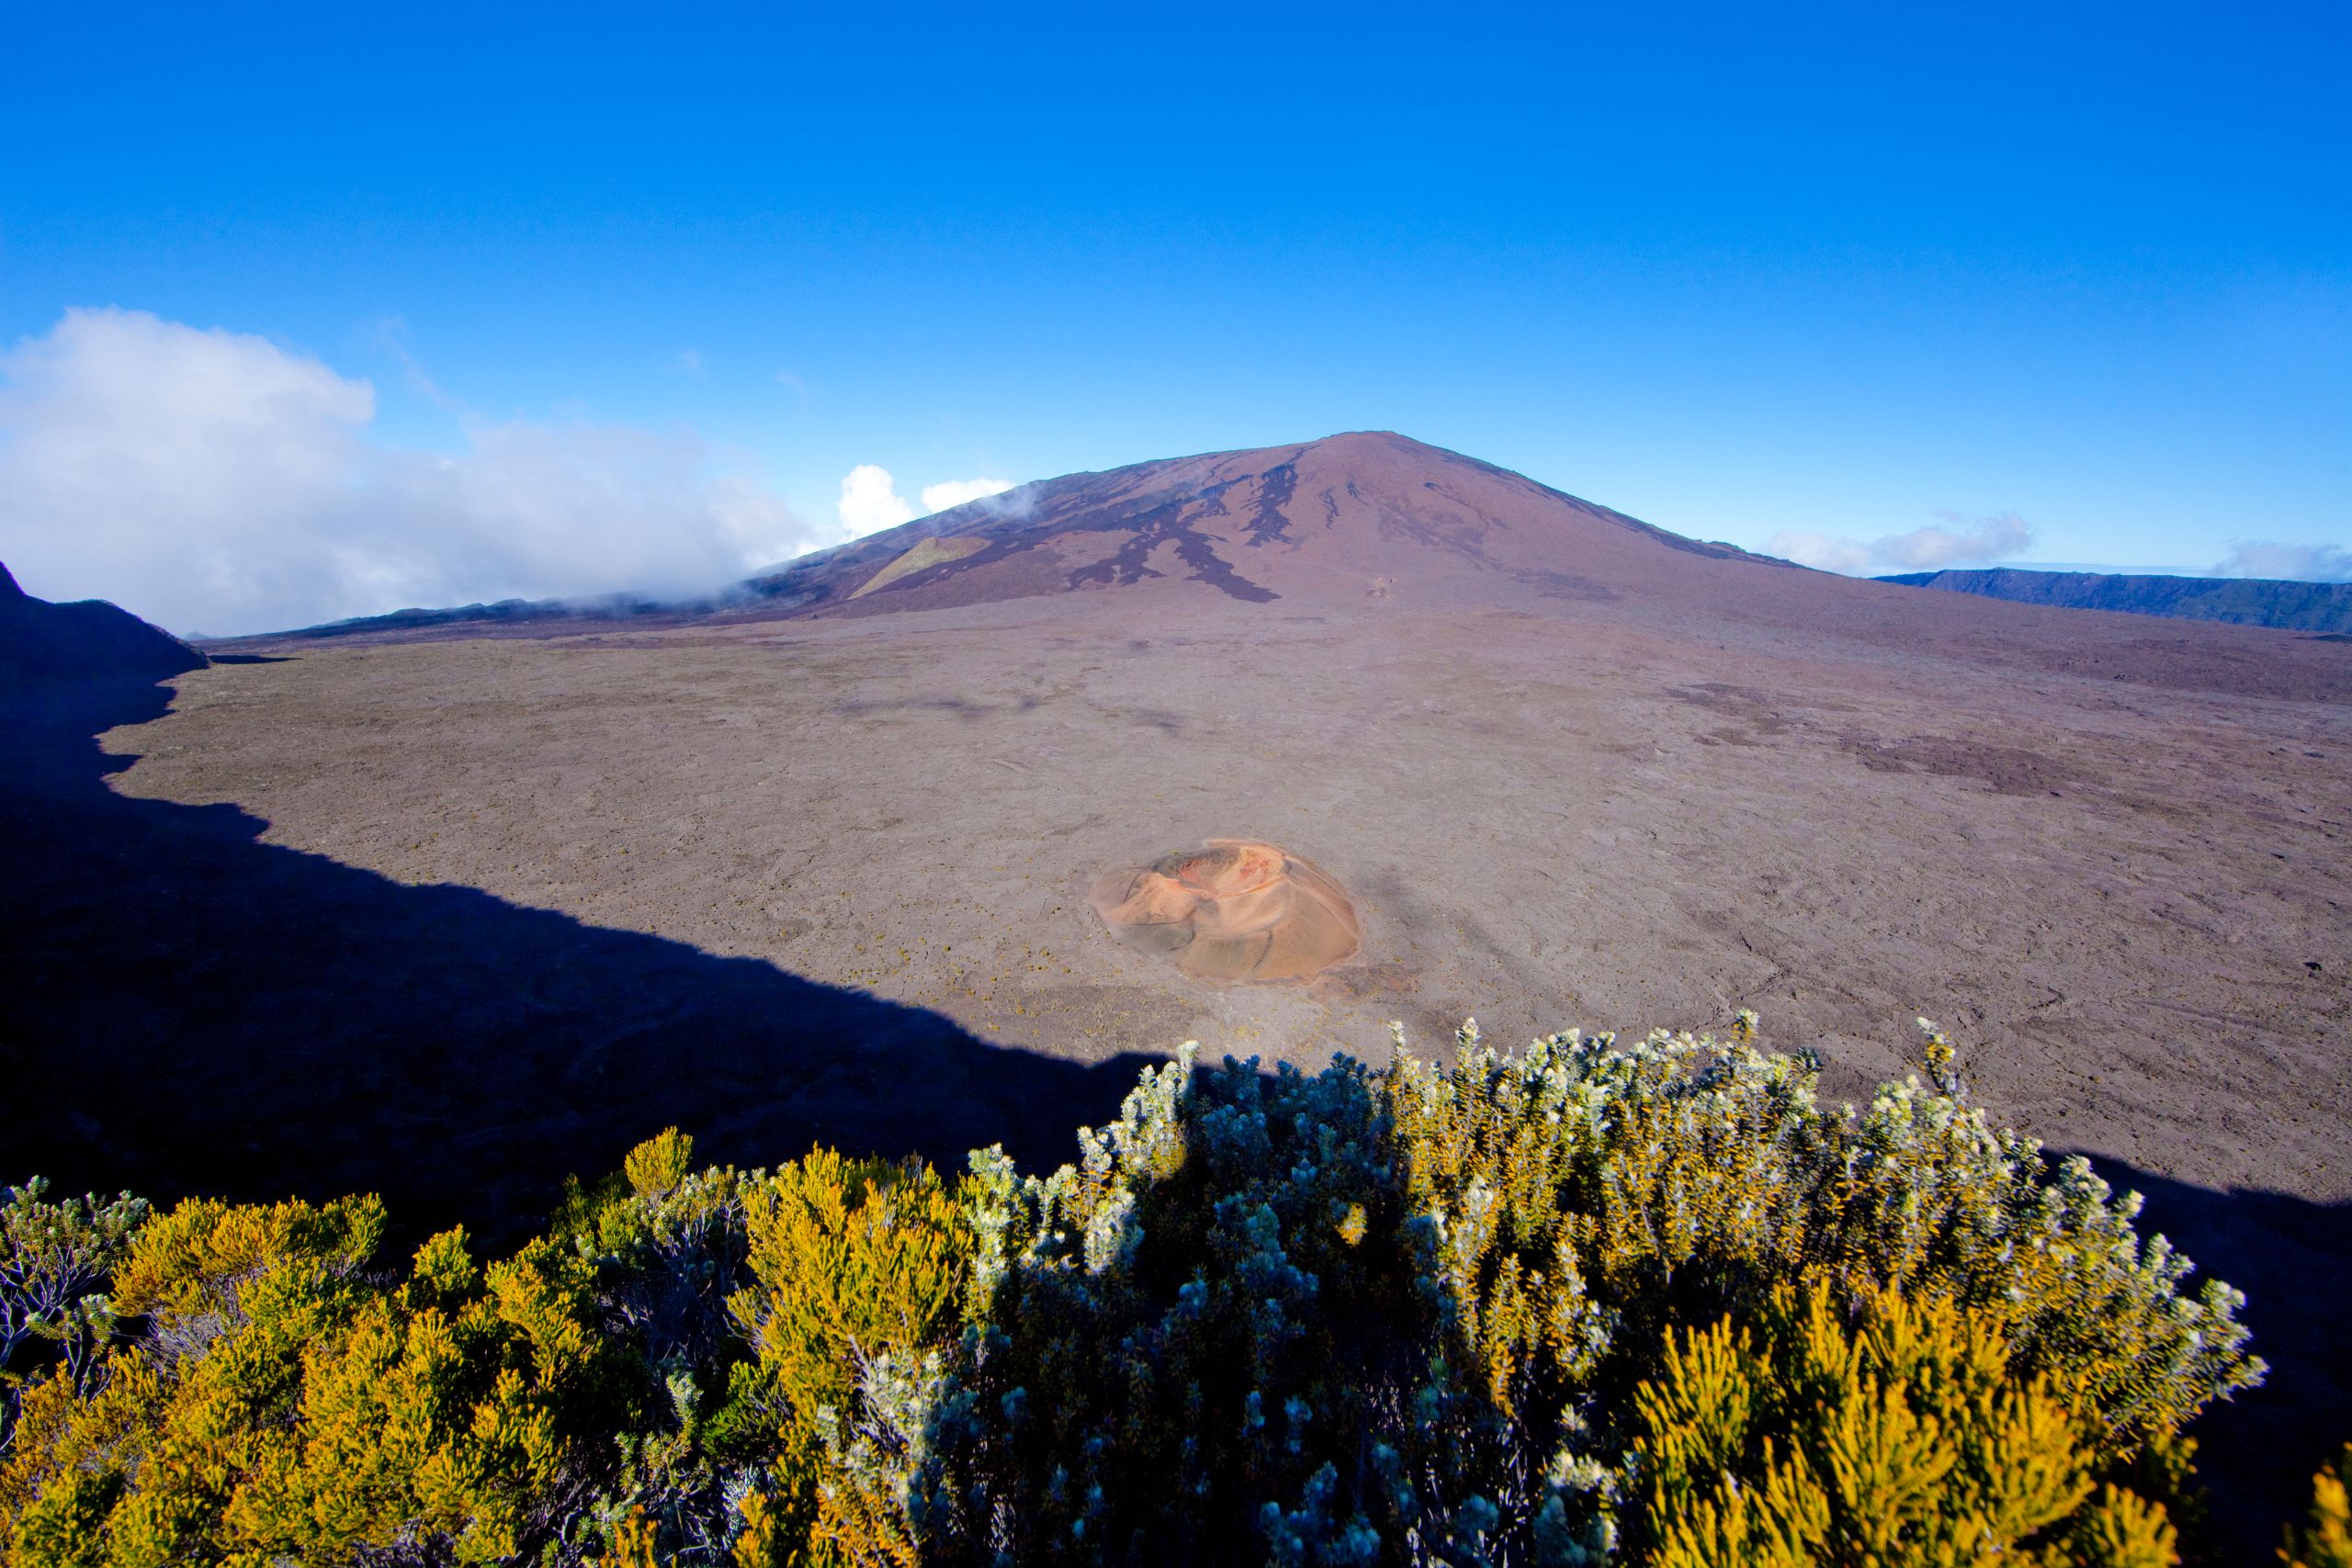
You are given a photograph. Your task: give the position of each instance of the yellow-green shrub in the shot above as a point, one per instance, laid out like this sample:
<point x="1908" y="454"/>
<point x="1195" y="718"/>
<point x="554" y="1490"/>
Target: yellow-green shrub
<point x="1890" y="1435"/>
<point x="2326" y="1541"/>
<point x="281" y="1408"/>
<point x="1529" y="1308"/>
<point x="145" y="1470"/>
<point x="1585" y="1198"/>
<point x="861" y="1271"/>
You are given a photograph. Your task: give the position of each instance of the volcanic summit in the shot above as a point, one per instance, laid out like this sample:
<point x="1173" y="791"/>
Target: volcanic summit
<point x="1349" y="516"/>
<point x="1375" y="521"/>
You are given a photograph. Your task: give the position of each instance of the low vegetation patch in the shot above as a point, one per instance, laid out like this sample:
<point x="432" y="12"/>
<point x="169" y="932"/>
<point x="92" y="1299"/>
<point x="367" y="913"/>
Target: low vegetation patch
<point x="1594" y="1302"/>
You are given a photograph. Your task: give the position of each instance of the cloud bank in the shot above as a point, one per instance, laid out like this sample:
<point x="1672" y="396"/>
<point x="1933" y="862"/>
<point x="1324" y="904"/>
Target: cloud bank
<point x="2301" y="563"/>
<point x="1955" y="539"/>
<point x="871" y="502"/>
<point x="213" y="481"/>
<point x="956" y="493"/>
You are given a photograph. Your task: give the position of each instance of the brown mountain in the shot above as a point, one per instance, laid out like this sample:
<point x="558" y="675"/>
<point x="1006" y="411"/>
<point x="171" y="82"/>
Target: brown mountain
<point x="1375" y="518"/>
<point x="1368" y="515"/>
<point x="1376" y="521"/>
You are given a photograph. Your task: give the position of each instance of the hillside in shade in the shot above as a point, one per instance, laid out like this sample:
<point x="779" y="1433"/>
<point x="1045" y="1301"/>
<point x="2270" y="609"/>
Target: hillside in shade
<point x="41" y="642"/>
<point x="2324" y="608"/>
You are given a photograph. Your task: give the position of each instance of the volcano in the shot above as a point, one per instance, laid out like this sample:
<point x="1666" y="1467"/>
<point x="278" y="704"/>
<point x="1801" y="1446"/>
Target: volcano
<point x="918" y="843"/>
<point x="1376" y="521"/>
<point x="1377" y="518"/>
<point x="1350" y="516"/>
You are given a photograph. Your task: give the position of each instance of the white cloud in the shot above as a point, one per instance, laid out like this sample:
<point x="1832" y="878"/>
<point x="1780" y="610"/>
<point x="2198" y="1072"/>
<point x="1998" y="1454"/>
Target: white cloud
<point x="956" y="493"/>
<point x="870" y="502"/>
<point x="689" y="361"/>
<point x="2305" y="563"/>
<point x="213" y="481"/>
<point x="1957" y="540"/>
<point x="1826" y="551"/>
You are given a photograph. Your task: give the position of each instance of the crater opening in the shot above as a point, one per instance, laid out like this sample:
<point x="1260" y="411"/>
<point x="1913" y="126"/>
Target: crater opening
<point x="1233" y="909"/>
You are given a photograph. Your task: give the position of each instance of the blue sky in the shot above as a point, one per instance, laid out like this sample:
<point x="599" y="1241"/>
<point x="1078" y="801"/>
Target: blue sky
<point x="1749" y="273"/>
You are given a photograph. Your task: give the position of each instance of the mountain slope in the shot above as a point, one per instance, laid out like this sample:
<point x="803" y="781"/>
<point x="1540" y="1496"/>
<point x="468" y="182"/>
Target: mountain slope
<point x="1374" y="524"/>
<point x="2249" y="602"/>
<point x="1370" y="514"/>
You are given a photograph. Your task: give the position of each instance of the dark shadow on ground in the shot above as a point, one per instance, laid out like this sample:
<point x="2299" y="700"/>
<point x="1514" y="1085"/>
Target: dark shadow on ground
<point x="2293" y="1259"/>
<point x="185" y="1009"/>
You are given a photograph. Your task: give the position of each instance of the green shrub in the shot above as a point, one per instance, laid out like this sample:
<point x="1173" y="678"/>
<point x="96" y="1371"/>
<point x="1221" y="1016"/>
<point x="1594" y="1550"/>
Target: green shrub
<point x="55" y="1260"/>
<point x="1176" y="1341"/>
<point x="1643" y="1302"/>
<point x="1404" y="1315"/>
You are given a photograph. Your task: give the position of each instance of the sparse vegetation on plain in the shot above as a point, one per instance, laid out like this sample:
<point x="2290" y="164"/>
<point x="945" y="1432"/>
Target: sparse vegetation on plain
<point x="1593" y="1302"/>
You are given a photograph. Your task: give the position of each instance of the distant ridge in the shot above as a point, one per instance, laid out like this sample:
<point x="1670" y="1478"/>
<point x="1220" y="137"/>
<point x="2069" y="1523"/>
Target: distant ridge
<point x="505" y="611"/>
<point x="2324" y="608"/>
